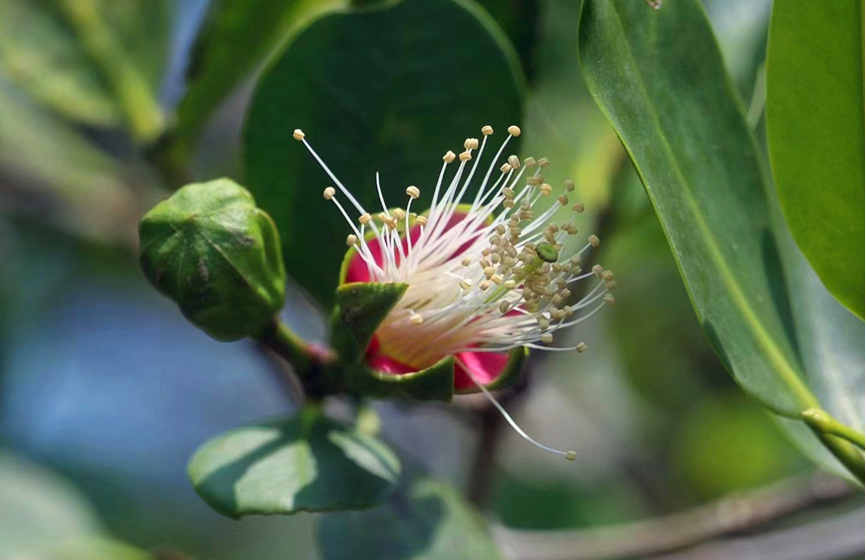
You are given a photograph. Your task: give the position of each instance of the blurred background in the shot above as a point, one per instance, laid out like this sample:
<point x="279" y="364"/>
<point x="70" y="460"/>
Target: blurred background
<point x="105" y="390"/>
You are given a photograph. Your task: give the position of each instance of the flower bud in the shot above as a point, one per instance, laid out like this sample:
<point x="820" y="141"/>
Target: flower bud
<point x="217" y="255"/>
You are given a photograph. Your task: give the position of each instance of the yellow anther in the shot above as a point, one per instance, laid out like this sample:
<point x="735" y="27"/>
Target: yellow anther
<point x="504" y="307"/>
<point x="351" y="240"/>
<point x="505" y="168"/>
<point x="534" y="180"/>
<point x="364" y="219"/>
<point x="607" y="275"/>
<point x="609" y="299"/>
<point x="484" y="285"/>
<point x="514" y="130"/>
<point x="496" y="279"/>
<point x="598" y="270"/>
<point x="610" y="285"/>
<point x="471" y="143"/>
<point x="487" y="130"/>
<point x="569" y="185"/>
<point x="448" y="157"/>
<point x="465" y="156"/>
<point x="413" y="192"/>
<point x="514" y="161"/>
<point x="416" y="319"/>
<point x="570" y="456"/>
<point x="508" y="191"/>
<point x="547" y="338"/>
<point x="563" y="200"/>
<point x="298" y="134"/>
<point x="466" y="261"/>
<point x="466" y="284"/>
<point x="399" y="214"/>
<point x="329" y="193"/>
<point x="489" y="271"/>
<point x="421" y="220"/>
<point x="594" y="240"/>
<point x="581" y="347"/>
<point x="578" y="207"/>
<point x="546" y="189"/>
<point x="529" y="162"/>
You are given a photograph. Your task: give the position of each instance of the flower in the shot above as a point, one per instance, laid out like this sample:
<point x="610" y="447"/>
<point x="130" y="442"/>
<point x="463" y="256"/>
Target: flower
<point x="485" y="274"/>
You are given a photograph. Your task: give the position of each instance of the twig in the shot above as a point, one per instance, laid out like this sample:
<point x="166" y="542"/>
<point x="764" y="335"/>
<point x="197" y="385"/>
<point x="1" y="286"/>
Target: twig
<point x="726" y="516"/>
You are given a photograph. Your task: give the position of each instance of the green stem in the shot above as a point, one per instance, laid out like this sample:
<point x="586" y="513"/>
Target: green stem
<point x="310" y="363"/>
<point x="133" y="93"/>
<point x="837" y="438"/>
<point x="821" y="421"/>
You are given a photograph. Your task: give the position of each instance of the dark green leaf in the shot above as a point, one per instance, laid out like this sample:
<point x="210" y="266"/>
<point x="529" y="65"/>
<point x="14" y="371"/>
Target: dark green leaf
<point x="658" y="76"/>
<point x="359" y="309"/>
<point x="304" y="463"/>
<point x="815" y="134"/>
<point x="235" y="38"/>
<point x="375" y="90"/>
<point x="424" y="519"/>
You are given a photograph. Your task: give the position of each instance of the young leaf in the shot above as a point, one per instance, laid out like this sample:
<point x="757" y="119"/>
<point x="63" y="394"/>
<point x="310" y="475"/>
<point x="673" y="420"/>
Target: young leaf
<point x="358" y="311"/>
<point x="815" y="135"/>
<point x="304" y="463"/>
<point x="658" y="76"/>
<point x="375" y="90"/>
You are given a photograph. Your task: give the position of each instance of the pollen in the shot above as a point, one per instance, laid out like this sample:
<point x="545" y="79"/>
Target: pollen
<point x="448" y="157"/>
<point x="413" y="192"/>
<point x="514" y="130"/>
<point x="329" y="193"/>
<point x="581" y="347"/>
<point x="487" y="130"/>
<point x="465" y="156"/>
<point x="351" y="240"/>
<point x="298" y="134"/>
<point x="421" y="220"/>
<point x="514" y="161"/>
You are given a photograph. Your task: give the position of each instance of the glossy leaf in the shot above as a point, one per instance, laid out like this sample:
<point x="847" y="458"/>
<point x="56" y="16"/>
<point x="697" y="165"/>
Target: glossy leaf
<point x="235" y="38"/>
<point x="424" y="519"/>
<point x="375" y="90"/>
<point x="359" y="309"/>
<point x="815" y="135"/>
<point x="435" y="383"/>
<point x="304" y="463"/>
<point x="659" y="77"/>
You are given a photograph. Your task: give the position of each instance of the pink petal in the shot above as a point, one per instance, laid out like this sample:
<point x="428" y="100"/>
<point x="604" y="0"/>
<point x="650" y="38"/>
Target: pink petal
<point x="383" y="363"/>
<point x="486" y="367"/>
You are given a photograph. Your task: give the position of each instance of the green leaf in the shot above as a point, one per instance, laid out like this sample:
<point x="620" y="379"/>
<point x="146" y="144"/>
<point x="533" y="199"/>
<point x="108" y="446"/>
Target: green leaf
<point x="235" y="38"/>
<point x="94" y="61"/>
<point x="375" y="90"/>
<point x="659" y="77"/>
<point x="815" y="135"/>
<point x="435" y="383"/>
<point x="359" y="309"/>
<point x="424" y="519"/>
<point x="304" y="463"/>
<point x="39" y="510"/>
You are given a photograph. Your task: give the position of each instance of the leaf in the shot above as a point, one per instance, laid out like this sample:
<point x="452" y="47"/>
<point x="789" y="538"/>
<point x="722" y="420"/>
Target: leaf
<point x="658" y="76"/>
<point x="40" y="53"/>
<point x="39" y="510"/>
<point x="358" y="311"/>
<point x="435" y="383"/>
<point x="235" y="38"/>
<point x="424" y="519"/>
<point x="375" y="90"/>
<point x="304" y="463"/>
<point x="815" y="135"/>
<point x="95" y="61"/>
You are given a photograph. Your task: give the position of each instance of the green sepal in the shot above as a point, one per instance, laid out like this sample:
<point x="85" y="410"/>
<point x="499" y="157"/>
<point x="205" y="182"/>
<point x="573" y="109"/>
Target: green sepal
<point x="509" y="376"/>
<point x="359" y="309"/>
<point x="435" y="383"/>
<point x="210" y="249"/>
<point x="308" y="462"/>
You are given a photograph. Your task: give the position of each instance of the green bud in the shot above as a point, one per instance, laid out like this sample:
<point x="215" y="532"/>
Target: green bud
<point x="217" y="255"/>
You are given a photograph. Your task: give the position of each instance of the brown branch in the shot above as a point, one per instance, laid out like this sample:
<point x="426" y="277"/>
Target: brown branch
<point x="726" y="516"/>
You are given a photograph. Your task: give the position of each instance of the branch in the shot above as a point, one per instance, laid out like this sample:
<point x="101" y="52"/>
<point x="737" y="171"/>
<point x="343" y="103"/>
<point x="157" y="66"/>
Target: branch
<point x="722" y="517"/>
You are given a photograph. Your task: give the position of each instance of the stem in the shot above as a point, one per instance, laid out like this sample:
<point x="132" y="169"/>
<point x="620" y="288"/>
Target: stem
<point x="309" y="362"/>
<point x="820" y="420"/>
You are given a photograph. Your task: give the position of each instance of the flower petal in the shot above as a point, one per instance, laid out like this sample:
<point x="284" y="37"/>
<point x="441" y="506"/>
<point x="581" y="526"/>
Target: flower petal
<point x="485" y="367"/>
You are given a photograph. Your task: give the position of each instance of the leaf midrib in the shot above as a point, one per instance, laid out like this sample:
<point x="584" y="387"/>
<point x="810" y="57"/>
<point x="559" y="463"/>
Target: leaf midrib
<point x="801" y="392"/>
